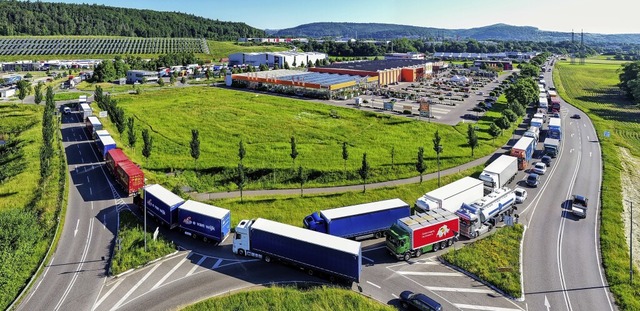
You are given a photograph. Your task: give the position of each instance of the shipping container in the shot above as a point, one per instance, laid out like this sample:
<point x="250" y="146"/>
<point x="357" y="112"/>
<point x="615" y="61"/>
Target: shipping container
<point x="162" y="204"/>
<point x="115" y="156"/>
<point x="129" y="176"/>
<point x="414" y="235"/>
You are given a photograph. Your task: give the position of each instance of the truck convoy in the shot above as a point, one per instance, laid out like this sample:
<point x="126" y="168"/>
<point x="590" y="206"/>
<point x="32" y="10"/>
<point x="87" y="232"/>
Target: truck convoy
<point x="537" y="122"/>
<point x="315" y="252"/>
<point x="450" y="197"/>
<point x="552" y="147"/>
<point x="523" y="150"/>
<point x="414" y="235"/>
<point x="499" y="173"/>
<point x="358" y="220"/>
<point x="93" y="125"/>
<point x="482" y="215"/>
<point x="163" y="204"/>
<point x="555" y="128"/>
<point x="105" y="143"/>
<point x="86" y="111"/>
<point x="533" y="132"/>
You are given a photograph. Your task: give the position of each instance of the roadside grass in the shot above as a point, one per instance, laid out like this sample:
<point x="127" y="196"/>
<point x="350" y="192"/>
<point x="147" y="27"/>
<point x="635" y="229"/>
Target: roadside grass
<point x="291" y="298"/>
<point x="592" y="88"/>
<point x="265" y="124"/>
<point x="115" y="88"/>
<point x="494" y="259"/>
<point x="69" y="95"/>
<point x="129" y="251"/>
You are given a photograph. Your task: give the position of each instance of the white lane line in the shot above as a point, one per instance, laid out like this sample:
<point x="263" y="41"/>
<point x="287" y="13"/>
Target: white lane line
<point x="425" y="263"/>
<point x="459" y="290"/>
<point x="367" y="258"/>
<point x="373" y="284"/>
<point x="79" y="269"/>
<point x="107" y="294"/>
<point x="395" y="296"/>
<point x="487" y="308"/>
<point x="164" y="278"/>
<point x="104" y="220"/>
<point x="117" y="305"/>
<point x="430" y="273"/>
<point x="42" y="279"/>
<point x="76" y="230"/>
<point x="587" y="137"/>
<point x="196" y="266"/>
<point x="589" y="154"/>
<point x="217" y="264"/>
<point x="90" y="191"/>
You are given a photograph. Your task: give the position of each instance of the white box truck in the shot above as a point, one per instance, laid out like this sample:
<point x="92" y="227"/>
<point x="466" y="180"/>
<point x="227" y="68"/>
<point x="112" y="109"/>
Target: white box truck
<point x="450" y="197"/>
<point x="499" y="173"/>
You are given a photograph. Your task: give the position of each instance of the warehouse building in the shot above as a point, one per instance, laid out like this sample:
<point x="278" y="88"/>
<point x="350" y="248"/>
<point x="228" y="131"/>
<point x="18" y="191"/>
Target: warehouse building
<point x="139" y="76"/>
<point x="387" y="71"/>
<point x="505" y="64"/>
<point x="294" y="59"/>
<point x="408" y="55"/>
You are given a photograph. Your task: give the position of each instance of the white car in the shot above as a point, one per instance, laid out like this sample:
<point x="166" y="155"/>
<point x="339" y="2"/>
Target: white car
<point x="539" y="168"/>
<point x="521" y="195"/>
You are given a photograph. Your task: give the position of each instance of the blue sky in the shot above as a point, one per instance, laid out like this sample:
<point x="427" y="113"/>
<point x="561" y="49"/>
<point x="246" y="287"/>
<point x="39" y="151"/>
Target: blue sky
<point x="558" y="15"/>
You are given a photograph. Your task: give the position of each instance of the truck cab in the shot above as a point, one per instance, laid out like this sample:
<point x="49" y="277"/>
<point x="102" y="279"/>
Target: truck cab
<point x="315" y="222"/>
<point x="241" y="241"/>
<point x="398" y="242"/>
<point x="424" y="204"/>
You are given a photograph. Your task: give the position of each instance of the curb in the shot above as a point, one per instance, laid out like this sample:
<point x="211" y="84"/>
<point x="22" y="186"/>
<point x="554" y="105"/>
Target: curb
<point x="521" y="266"/>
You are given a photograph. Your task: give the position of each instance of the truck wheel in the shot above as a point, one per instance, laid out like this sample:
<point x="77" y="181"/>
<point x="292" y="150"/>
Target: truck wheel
<point x="443" y="244"/>
<point x="419" y="252"/>
<point x="241" y="252"/>
<point x="267" y="258"/>
<point x="436" y="247"/>
<point x="449" y="242"/>
<point x="474" y="234"/>
<point x="194" y="236"/>
<point x="205" y="239"/>
<point x="378" y="235"/>
<point x="310" y="272"/>
<point x="407" y="256"/>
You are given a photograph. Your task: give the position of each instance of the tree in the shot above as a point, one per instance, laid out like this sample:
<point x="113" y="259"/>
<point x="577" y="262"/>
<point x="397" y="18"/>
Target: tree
<point x="160" y="82"/>
<point x="294" y="150"/>
<point x="345" y="156"/>
<point x="98" y="95"/>
<point x="503" y="123"/>
<point x="147" y="142"/>
<point x="364" y="172"/>
<point x="131" y="132"/>
<point x="183" y="80"/>
<point x="241" y="151"/>
<point x="195" y="146"/>
<point x="494" y="131"/>
<point x="38" y="96"/>
<point x="437" y="147"/>
<point x="207" y="74"/>
<point x="511" y="116"/>
<point x="172" y="80"/>
<point x="302" y="179"/>
<point x="472" y="138"/>
<point x="517" y="108"/>
<point x="24" y="89"/>
<point x="420" y="165"/>
<point x="240" y="179"/>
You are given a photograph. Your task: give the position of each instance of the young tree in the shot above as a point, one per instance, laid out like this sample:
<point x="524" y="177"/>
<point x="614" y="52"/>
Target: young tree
<point x="195" y="146"/>
<point x="364" y="172"/>
<point x="147" y="142"/>
<point x="241" y="151"/>
<point x="98" y="95"/>
<point x="131" y="132"/>
<point x="511" y="116"/>
<point x="160" y="82"/>
<point x="294" y="150"/>
<point x="472" y="138"/>
<point x="503" y="123"/>
<point x="183" y="80"/>
<point x="420" y="165"/>
<point x="172" y="79"/>
<point x="240" y="179"/>
<point x="345" y="156"/>
<point x="24" y="89"/>
<point x="494" y="131"/>
<point x="302" y="179"/>
<point x="437" y="147"/>
<point x="38" y="96"/>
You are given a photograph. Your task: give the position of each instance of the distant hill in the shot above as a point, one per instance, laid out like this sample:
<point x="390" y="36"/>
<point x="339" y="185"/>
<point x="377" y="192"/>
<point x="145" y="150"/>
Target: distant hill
<point x="496" y="32"/>
<point x="24" y="18"/>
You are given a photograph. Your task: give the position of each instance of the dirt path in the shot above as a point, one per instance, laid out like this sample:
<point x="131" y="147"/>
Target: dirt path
<point x="631" y="193"/>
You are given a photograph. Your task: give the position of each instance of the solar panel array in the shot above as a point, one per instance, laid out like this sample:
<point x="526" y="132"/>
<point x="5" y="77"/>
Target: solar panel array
<point x="94" y="46"/>
<point x="324" y="79"/>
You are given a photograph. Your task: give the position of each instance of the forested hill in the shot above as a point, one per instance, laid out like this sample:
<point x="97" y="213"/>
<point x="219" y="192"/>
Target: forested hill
<point x="19" y="18"/>
<point x="492" y="32"/>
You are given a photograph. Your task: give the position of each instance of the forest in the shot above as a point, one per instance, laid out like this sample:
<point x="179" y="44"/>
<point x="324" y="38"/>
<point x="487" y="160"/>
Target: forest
<point x="26" y="18"/>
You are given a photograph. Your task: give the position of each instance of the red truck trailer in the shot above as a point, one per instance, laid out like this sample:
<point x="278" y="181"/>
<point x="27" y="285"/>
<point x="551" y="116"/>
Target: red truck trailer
<point x="114" y="157"/>
<point x="129" y="176"/>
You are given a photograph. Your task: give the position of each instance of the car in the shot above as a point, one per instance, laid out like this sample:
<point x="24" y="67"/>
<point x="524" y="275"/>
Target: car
<point x="552" y="88"/>
<point x="478" y="109"/>
<point x="546" y="160"/>
<point x="575" y="116"/>
<point x="417" y="301"/>
<point x="578" y="205"/>
<point x="471" y="116"/>
<point x="521" y="195"/>
<point x="66" y="110"/>
<point x="539" y="168"/>
<point x="533" y="180"/>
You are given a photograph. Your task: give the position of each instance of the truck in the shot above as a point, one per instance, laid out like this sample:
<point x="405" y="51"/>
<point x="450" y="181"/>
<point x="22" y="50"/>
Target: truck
<point x="537" y="122"/>
<point x="555" y="104"/>
<point x="523" y="150"/>
<point x="114" y="157"/>
<point x="423" y="232"/>
<point x="450" y="197"/>
<point x="86" y="111"/>
<point x="162" y="204"/>
<point x="499" y="173"/>
<point x="481" y="216"/>
<point x="93" y="125"/>
<point x="551" y="147"/>
<point x="555" y="128"/>
<point x="373" y="218"/>
<point x="533" y="132"/>
<point x="540" y="115"/>
<point x="210" y="222"/>
<point x="101" y="133"/>
<point x="105" y="143"/>
<point x="316" y="252"/>
<point x="129" y="176"/>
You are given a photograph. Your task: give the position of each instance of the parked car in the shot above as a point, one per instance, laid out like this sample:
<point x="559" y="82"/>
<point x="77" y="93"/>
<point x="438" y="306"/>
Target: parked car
<point x="578" y="205"/>
<point x="417" y="301"/>
<point x="533" y="180"/>
<point x="478" y="109"/>
<point x="521" y="195"/>
<point x="539" y="168"/>
<point x="575" y="116"/>
<point x="546" y="160"/>
<point x="471" y="116"/>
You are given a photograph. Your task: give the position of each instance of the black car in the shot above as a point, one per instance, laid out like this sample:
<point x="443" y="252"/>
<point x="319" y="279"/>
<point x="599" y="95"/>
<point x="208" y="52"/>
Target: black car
<point x="471" y="116"/>
<point x="533" y="180"/>
<point x="575" y="116"/>
<point x="417" y="301"/>
<point x="478" y="109"/>
<point x="546" y="160"/>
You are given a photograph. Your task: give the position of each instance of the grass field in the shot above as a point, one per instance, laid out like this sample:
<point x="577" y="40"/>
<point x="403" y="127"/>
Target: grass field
<point x="220" y="49"/>
<point x="266" y="123"/>
<point x="289" y="298"/>
<point x="592" y="88"/>
<point x="69" y="95"/>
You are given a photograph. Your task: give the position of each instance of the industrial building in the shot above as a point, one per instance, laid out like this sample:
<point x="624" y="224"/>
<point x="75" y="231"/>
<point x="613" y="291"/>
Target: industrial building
<point x="517" y="56"/>
<point x="505" y="64"/>
<point x="408" y="55"/>
<point x="293" y="59"/>
<point x="387" y="71"/>
<point x="139" y="76"/>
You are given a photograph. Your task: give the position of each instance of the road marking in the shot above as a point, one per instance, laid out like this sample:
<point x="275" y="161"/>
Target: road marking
<point x="373" y="284"/>
<point x="571" y="150"/>
<point x="587" y="137"/>
<point x="104" y="219"/>
<point x="422" y="262"/>
<point x="90" y="191"/>
<point x="546" y="303"/>
<point x="488" y="308"/>
<point x="367" y="258"/>
<point x="459" y="290"/>
<point x="92" y="207"/>
<point x="43" y="277"/>
<point x="589" y="154"/>
<point x="107" y="294"/>
<point x="88" y="179"/>
<point x="395" y="296"/>
<point x="76" y="230"/>
<point x="217" y="264"/>
<point x="164" y="278"/>
<point x="571" y="134"/>
<point x="117" y="305"/>
<point x="430" y="273"/>
<point x="196" y="266"/>
<point x="76" y="273"/>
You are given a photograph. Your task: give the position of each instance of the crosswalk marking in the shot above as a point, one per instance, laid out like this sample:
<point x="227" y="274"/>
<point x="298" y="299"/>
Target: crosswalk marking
<point x="430" y="273"/>
<point x="439" y="110"/>
<point x="164" y="278"/>
<point x="459" y="290"/>
<point x="487" y="308"/>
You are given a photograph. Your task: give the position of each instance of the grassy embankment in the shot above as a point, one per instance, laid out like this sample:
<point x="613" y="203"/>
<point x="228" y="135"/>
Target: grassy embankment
<point x="29" y="206"/>
<point x="287" y="298"/>
<point x="69" y="95"/>
<point x="266" y="123"/>
<point x="592" y="88"/>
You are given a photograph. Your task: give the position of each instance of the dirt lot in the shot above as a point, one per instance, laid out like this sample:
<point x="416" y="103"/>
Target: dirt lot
<point x="631" y="192"/>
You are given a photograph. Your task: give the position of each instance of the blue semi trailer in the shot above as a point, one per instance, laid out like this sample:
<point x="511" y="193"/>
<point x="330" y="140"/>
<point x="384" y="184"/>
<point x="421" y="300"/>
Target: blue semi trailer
<point x="358" y="220"/>
<point x="163" y="204"/>
<point x="105" y="143"/>
<point x="317" y="253"/>
<point x="209" y="222"/>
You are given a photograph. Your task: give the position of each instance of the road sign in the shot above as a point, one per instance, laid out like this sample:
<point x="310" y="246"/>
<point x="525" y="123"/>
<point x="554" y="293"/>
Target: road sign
<point x="607" y="134"/>
<point x="102" y="114"/>
<point x="508" y="220"/>
<point x="155" y="233"/>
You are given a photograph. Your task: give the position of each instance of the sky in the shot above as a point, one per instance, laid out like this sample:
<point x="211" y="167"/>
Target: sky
<point x="606" y="17"/>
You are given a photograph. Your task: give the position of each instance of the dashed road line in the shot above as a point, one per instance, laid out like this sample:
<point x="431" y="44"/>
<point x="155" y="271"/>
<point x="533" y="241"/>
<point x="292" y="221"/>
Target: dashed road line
<point x="373" y="284"/>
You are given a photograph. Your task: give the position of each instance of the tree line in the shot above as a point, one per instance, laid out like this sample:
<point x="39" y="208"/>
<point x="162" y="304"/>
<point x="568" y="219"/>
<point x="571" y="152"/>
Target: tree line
<point x="629" y="77"/>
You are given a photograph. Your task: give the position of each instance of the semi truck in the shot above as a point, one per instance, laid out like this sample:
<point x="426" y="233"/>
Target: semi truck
<point x="423" y="232"/>
<point x="162" y="204"/>
<point x="551" y="147"/>
<point x="358" y="220"/>
<point x="209" y="222"/>
<point x="336" y="257"/>
<point x="129" y="176"/>
<point x="555" y="128"/>
<point x="555" y="104"/>
<point x="105" y="143"/>
<point x="533" y="132"/>
<point x="115" y="156"/>
<point x="86" y="111"/>
<point x="93" y="125"/>
<point x="450" y="197"/>
<point x="523" y="150"/>
<point x="101" y="133"/>
<point x="481" y="216"/>
<point x="537" y="122"/>
<point x="499" y="173"/>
